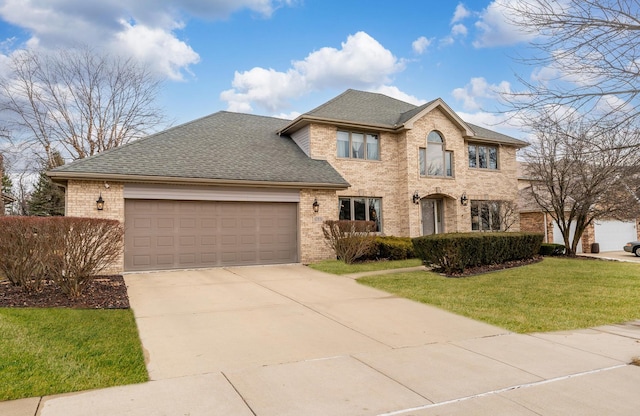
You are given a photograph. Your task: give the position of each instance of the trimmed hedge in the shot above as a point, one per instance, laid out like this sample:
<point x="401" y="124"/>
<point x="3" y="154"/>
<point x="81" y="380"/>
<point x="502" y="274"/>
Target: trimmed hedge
<point x="453" y="253"/>
<point x="394" y="248"/>
<point x="391" y="248"/>
<point x="551" y="249"/>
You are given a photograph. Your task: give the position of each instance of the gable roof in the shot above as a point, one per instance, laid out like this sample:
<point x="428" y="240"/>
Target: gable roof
<point x="378" y="111"/>
<point x="224" y="147"/>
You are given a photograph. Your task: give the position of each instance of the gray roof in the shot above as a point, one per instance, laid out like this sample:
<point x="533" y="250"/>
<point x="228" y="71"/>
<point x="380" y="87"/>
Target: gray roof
<point x="494" y="136"/>
<point x="220" y="147"/>
<point x="363" y="107"/>
<point x="379" y="110"/>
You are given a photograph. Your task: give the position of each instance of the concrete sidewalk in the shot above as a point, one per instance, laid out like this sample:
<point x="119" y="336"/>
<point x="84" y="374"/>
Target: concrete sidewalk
<point x="288" y="340"/>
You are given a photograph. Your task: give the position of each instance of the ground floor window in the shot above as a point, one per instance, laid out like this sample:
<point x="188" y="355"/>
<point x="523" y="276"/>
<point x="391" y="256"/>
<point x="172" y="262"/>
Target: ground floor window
<point x="485" y="216"/>
<point x="362" y="209"/>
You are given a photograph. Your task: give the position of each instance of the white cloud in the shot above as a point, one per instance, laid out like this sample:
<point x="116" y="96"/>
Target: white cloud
<point x="421" y="44"/>
<point x="477" y="90"/>
<point x="168" y="54"/>
<point x="496" y="29"/>
<point x="361" y="62"/>
<point x="460" y="13"/>
<point x="459" y="30"/>
<point x="545" y="74"/>
<point x="505" y="123"/>
<point x="446" y="41"/>
<point x="288" y="116"/>
<point x="267" y="88"/>
<point x="145" y="27"/>
<point x="395" y="92"/>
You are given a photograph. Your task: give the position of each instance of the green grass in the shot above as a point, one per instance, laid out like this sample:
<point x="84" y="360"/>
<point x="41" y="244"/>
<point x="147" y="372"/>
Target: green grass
<point x="49" y="351"/>
<point x="340" y="267"/>
<point x="555" y="294"/>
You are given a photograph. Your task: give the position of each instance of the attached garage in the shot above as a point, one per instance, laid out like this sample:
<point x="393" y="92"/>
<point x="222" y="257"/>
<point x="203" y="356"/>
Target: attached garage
<point x="613" y="235"/>
<point x="183" y="233"/>
<point x="223" y="190"/>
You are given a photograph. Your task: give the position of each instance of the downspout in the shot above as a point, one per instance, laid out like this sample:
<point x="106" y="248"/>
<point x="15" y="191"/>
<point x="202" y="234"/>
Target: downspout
<point x="546" y="231"/>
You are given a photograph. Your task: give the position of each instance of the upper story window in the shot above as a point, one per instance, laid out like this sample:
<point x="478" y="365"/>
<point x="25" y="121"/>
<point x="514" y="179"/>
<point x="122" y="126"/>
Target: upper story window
<point x="434" y="160"/>
<point x="358" y="145"/>
<point x="483" y="157"/>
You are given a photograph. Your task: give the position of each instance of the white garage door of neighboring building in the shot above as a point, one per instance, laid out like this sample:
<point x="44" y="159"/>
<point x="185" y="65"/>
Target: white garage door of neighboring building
<point x="170" y="234"/>
<point x="557" y="235"/>
<point x="613" y="235"/>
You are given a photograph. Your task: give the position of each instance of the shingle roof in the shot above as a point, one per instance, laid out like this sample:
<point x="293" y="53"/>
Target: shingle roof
<point x="379" y="110"/>
<point x="222" y="146"/>
<point x="363" y="107"/>
<point x="494" y="136"/>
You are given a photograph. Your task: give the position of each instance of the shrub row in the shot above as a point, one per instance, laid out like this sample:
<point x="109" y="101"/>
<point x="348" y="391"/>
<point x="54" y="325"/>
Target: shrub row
<point x="391" y="248"/>
<point x="453" y="253"/>
<point x="70" y="251"/>
<point x="551" y="249"/>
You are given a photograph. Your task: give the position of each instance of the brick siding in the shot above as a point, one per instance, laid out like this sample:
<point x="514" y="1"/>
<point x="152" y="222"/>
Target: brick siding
<point x="80" y="201"/>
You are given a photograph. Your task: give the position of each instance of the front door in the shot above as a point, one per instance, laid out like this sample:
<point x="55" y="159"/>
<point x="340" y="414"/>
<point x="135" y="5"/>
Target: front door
<point x="432" y="216"/>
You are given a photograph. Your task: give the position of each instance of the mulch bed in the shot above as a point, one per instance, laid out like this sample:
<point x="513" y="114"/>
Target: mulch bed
<point x="473" y="271"/>
<point x="103" y="292"/>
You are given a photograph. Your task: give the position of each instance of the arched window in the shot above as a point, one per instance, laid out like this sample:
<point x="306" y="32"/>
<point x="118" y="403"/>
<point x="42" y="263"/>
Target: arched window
<point x="434" y="160"/>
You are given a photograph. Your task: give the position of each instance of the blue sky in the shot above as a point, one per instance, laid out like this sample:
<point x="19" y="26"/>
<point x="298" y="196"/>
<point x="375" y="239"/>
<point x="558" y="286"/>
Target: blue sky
<point x="285" y="57"/>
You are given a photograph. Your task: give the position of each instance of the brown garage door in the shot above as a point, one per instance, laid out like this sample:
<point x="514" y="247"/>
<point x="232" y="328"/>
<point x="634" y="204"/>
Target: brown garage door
<point x="162" y="234"/>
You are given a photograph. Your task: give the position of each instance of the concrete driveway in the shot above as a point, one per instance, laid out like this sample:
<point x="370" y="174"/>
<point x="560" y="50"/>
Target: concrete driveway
<point x="615" y="255"/>
<point x="287" y="340"/>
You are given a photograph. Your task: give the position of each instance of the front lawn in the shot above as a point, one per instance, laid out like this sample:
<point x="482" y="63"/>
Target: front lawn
<point x="49" y="351"/>
<point x="555" y="294"/>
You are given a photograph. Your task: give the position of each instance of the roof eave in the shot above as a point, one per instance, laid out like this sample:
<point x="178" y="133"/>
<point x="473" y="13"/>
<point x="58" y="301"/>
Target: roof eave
<point x="305" y="120"/>
<point x="519" y="145"/>
<point x="439" y="102"/>
<point x="171" y="180"/>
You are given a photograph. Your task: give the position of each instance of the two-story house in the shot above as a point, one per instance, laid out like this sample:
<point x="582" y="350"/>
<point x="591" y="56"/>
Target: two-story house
<point x="234" y="189"/>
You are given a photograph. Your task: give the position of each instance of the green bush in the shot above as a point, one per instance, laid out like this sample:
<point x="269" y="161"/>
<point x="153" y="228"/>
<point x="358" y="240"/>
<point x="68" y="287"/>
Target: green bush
<point x="393" y="248"/>
<point x="453" y="253"/>
<point x="551" y="249"/>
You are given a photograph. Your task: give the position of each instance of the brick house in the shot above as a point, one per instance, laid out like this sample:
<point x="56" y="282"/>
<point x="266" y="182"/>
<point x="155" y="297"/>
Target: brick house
<point x="234" y="189"/>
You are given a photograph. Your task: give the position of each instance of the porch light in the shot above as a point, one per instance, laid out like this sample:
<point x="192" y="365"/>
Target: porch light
<point x="316" y="205"/>
<point x="463" y="199"/>
<point x="100" y="203"/>
<point x="416" y="197"/>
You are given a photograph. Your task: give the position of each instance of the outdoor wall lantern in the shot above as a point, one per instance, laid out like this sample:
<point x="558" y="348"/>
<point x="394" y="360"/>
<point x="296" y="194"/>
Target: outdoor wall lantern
<point x="416" y="197"/>
<point x="316" y="205"/>
<point x="100" y="203"/>
<point x="463" y="199"/>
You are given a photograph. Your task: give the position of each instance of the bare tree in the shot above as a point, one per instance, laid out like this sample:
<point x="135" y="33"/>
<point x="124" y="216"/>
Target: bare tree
<point x="590" y="53"/>
<point x="508" y="215"/>
<point x="77" y="101"/>
<point x="581" y="173"/>
<point x="2" y="179"/>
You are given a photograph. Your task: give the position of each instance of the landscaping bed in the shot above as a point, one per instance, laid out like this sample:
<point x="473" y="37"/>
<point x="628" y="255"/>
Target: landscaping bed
<point x="102" y="292"/>
<point x="487" y="268"/>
